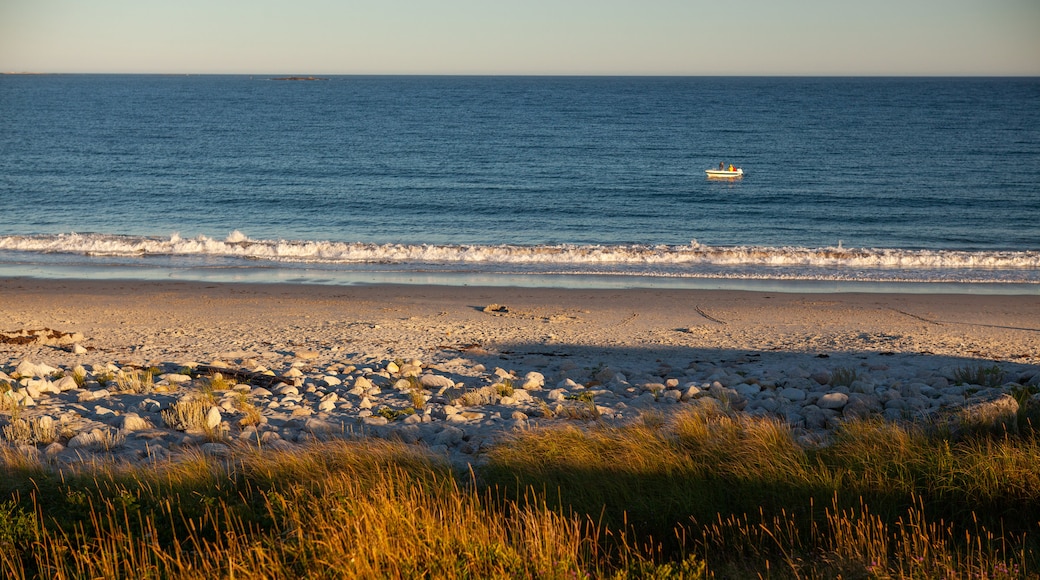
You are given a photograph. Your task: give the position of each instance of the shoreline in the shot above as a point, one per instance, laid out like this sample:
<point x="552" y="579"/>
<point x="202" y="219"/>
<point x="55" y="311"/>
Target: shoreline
<point x="343" y="356"/>
<point x="548" y="281"/>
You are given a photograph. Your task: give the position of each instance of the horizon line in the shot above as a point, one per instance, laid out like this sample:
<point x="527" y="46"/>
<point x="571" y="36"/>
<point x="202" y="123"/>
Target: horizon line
<point x="320" y="76"/>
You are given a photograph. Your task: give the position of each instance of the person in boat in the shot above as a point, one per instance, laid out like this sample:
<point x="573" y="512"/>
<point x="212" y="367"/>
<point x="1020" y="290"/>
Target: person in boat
<point x="722" y="165"/>
<point x="731" y="167"/>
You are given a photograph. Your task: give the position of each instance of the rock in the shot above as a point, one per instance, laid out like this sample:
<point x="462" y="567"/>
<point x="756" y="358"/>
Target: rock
<point x="992" y="412"/>
<point x="133" y="422"/>
<point x="432" y="381"/>
<point x="449" y="436"/>
<point x="557" y="395"/>
<point x="822" y="377"/>
<point x="87" y="439"/>
<point x="53" y="449"/>
<point x="832" y="401"/>
<point x="306" y="354"/>
<point x="29" y="369"/>
<point x="818" y="418"/>
<point x="66" y="383"/>
<point x="375" y="420"/>
<point x="1031" y="411"/>
<point x="175" y="378"/>
<point x="215" y="449"/>
<point x="284" y="390"/>
<point x="327" y="406"/>
<point x="691" y="392"/>
<point x="860" y="406"/>
<point x="331" y="380"/>
<point x="213" y="418"/>
<point x="746" y="390"/>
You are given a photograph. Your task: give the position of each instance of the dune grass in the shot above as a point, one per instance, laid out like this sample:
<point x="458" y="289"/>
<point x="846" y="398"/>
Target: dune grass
<point x="696" y="495"/>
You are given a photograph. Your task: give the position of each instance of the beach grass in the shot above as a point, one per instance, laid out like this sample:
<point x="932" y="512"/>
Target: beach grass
<point x="698" y="494"/>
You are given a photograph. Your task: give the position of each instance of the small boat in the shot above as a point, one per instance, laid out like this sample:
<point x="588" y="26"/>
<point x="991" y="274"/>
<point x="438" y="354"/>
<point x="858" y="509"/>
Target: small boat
<point x="724" y="173"/>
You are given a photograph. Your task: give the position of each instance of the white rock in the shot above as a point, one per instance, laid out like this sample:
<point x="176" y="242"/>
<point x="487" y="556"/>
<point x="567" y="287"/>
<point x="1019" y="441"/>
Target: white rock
<point x="691" y="392"/>
<point x="331" y="380"/>
<point x="133" y="422"/>
<point x="326" y="406"/>
<point x="33" y="388"/>
<point x="431" y="381"/>
<point x="568" y="384"/>
<point x="832" y="401"/>
<point x="213" y="418"/>
<point x="175" y="378"/>
<point x="671" y="396"/>
<point x="87" y="439"/>
<point x="66" y="383"/>
<point x="29" y="369"/>
<point x="533" y="381"/>
<point x="286" y="390"/>
<point x="557" y="395"/>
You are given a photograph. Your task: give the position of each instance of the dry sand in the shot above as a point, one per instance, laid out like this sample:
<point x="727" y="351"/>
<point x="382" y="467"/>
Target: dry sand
<point x="183" y="321"/>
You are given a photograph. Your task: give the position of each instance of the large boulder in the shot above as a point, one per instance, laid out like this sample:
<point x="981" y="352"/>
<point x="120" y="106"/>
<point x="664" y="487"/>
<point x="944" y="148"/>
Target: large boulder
<point x="989" y="412"/>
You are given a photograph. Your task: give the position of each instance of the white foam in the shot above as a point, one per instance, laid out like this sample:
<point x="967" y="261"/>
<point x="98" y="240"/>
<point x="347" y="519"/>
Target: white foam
<point x="666" y="260"/>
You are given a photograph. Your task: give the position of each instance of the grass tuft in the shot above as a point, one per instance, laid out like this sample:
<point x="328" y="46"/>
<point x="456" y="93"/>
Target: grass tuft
<point x="983" y="376"/>
<point x="696" y="495"/>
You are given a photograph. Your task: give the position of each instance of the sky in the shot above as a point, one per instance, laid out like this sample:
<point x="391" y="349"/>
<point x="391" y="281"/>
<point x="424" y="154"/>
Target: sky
<point x="551" y="37"/>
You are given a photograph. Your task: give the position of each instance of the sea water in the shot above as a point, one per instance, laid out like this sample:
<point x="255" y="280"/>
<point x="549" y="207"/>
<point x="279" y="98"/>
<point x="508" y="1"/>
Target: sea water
<point x="872" y="184"/>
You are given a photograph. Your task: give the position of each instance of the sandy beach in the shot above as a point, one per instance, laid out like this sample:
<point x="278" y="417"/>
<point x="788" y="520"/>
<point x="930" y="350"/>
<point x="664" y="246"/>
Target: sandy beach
<point x="631" y="350"/>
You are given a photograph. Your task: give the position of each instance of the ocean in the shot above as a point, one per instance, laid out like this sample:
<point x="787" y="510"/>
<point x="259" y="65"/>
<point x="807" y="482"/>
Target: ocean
<point x="867" y="184"/>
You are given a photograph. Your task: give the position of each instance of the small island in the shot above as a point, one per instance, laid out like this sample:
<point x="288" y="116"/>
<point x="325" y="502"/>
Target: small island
<point x="299" y="79"/>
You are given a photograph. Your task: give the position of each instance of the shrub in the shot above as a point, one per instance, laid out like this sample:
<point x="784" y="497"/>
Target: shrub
<point x="38" y="431"/>
<point x="992" y="376"/>
<point x="186" y="415"/>
<point x="843" y="377"/>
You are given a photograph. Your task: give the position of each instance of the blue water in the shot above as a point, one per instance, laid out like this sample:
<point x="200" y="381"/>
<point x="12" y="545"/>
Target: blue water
<point x="550" y="179"/>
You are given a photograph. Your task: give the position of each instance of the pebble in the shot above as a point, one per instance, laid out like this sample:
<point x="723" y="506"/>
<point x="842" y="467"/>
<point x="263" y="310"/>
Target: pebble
<point x="340" y="400"/>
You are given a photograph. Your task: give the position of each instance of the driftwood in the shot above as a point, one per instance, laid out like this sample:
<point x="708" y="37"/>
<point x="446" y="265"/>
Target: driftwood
<point x="244" y="376"/>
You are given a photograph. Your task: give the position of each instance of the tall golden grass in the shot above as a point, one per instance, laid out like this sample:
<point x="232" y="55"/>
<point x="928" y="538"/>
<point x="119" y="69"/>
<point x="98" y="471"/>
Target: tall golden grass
<point x="699" y="495"/>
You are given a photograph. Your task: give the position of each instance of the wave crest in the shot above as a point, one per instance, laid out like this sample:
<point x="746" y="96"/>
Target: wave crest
<point x="647" y="259"/>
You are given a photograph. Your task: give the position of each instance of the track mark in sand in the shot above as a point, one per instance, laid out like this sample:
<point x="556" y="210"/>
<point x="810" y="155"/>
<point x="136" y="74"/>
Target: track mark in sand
<point x="957" y="322"/>
<point x="705" y="315"/>
<point x="921" y="318"/>
<point x="630" y="318"/>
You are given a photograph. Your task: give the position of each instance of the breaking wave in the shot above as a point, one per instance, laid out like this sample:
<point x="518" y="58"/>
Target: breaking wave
<point x="690" y="260"/>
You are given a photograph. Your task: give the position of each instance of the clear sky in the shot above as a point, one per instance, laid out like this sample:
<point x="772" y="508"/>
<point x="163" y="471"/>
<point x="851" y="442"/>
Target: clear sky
<point x="642" y="37"/>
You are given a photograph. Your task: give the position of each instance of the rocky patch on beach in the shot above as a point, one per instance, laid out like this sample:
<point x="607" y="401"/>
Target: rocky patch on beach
<point x="459" y="406"/>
